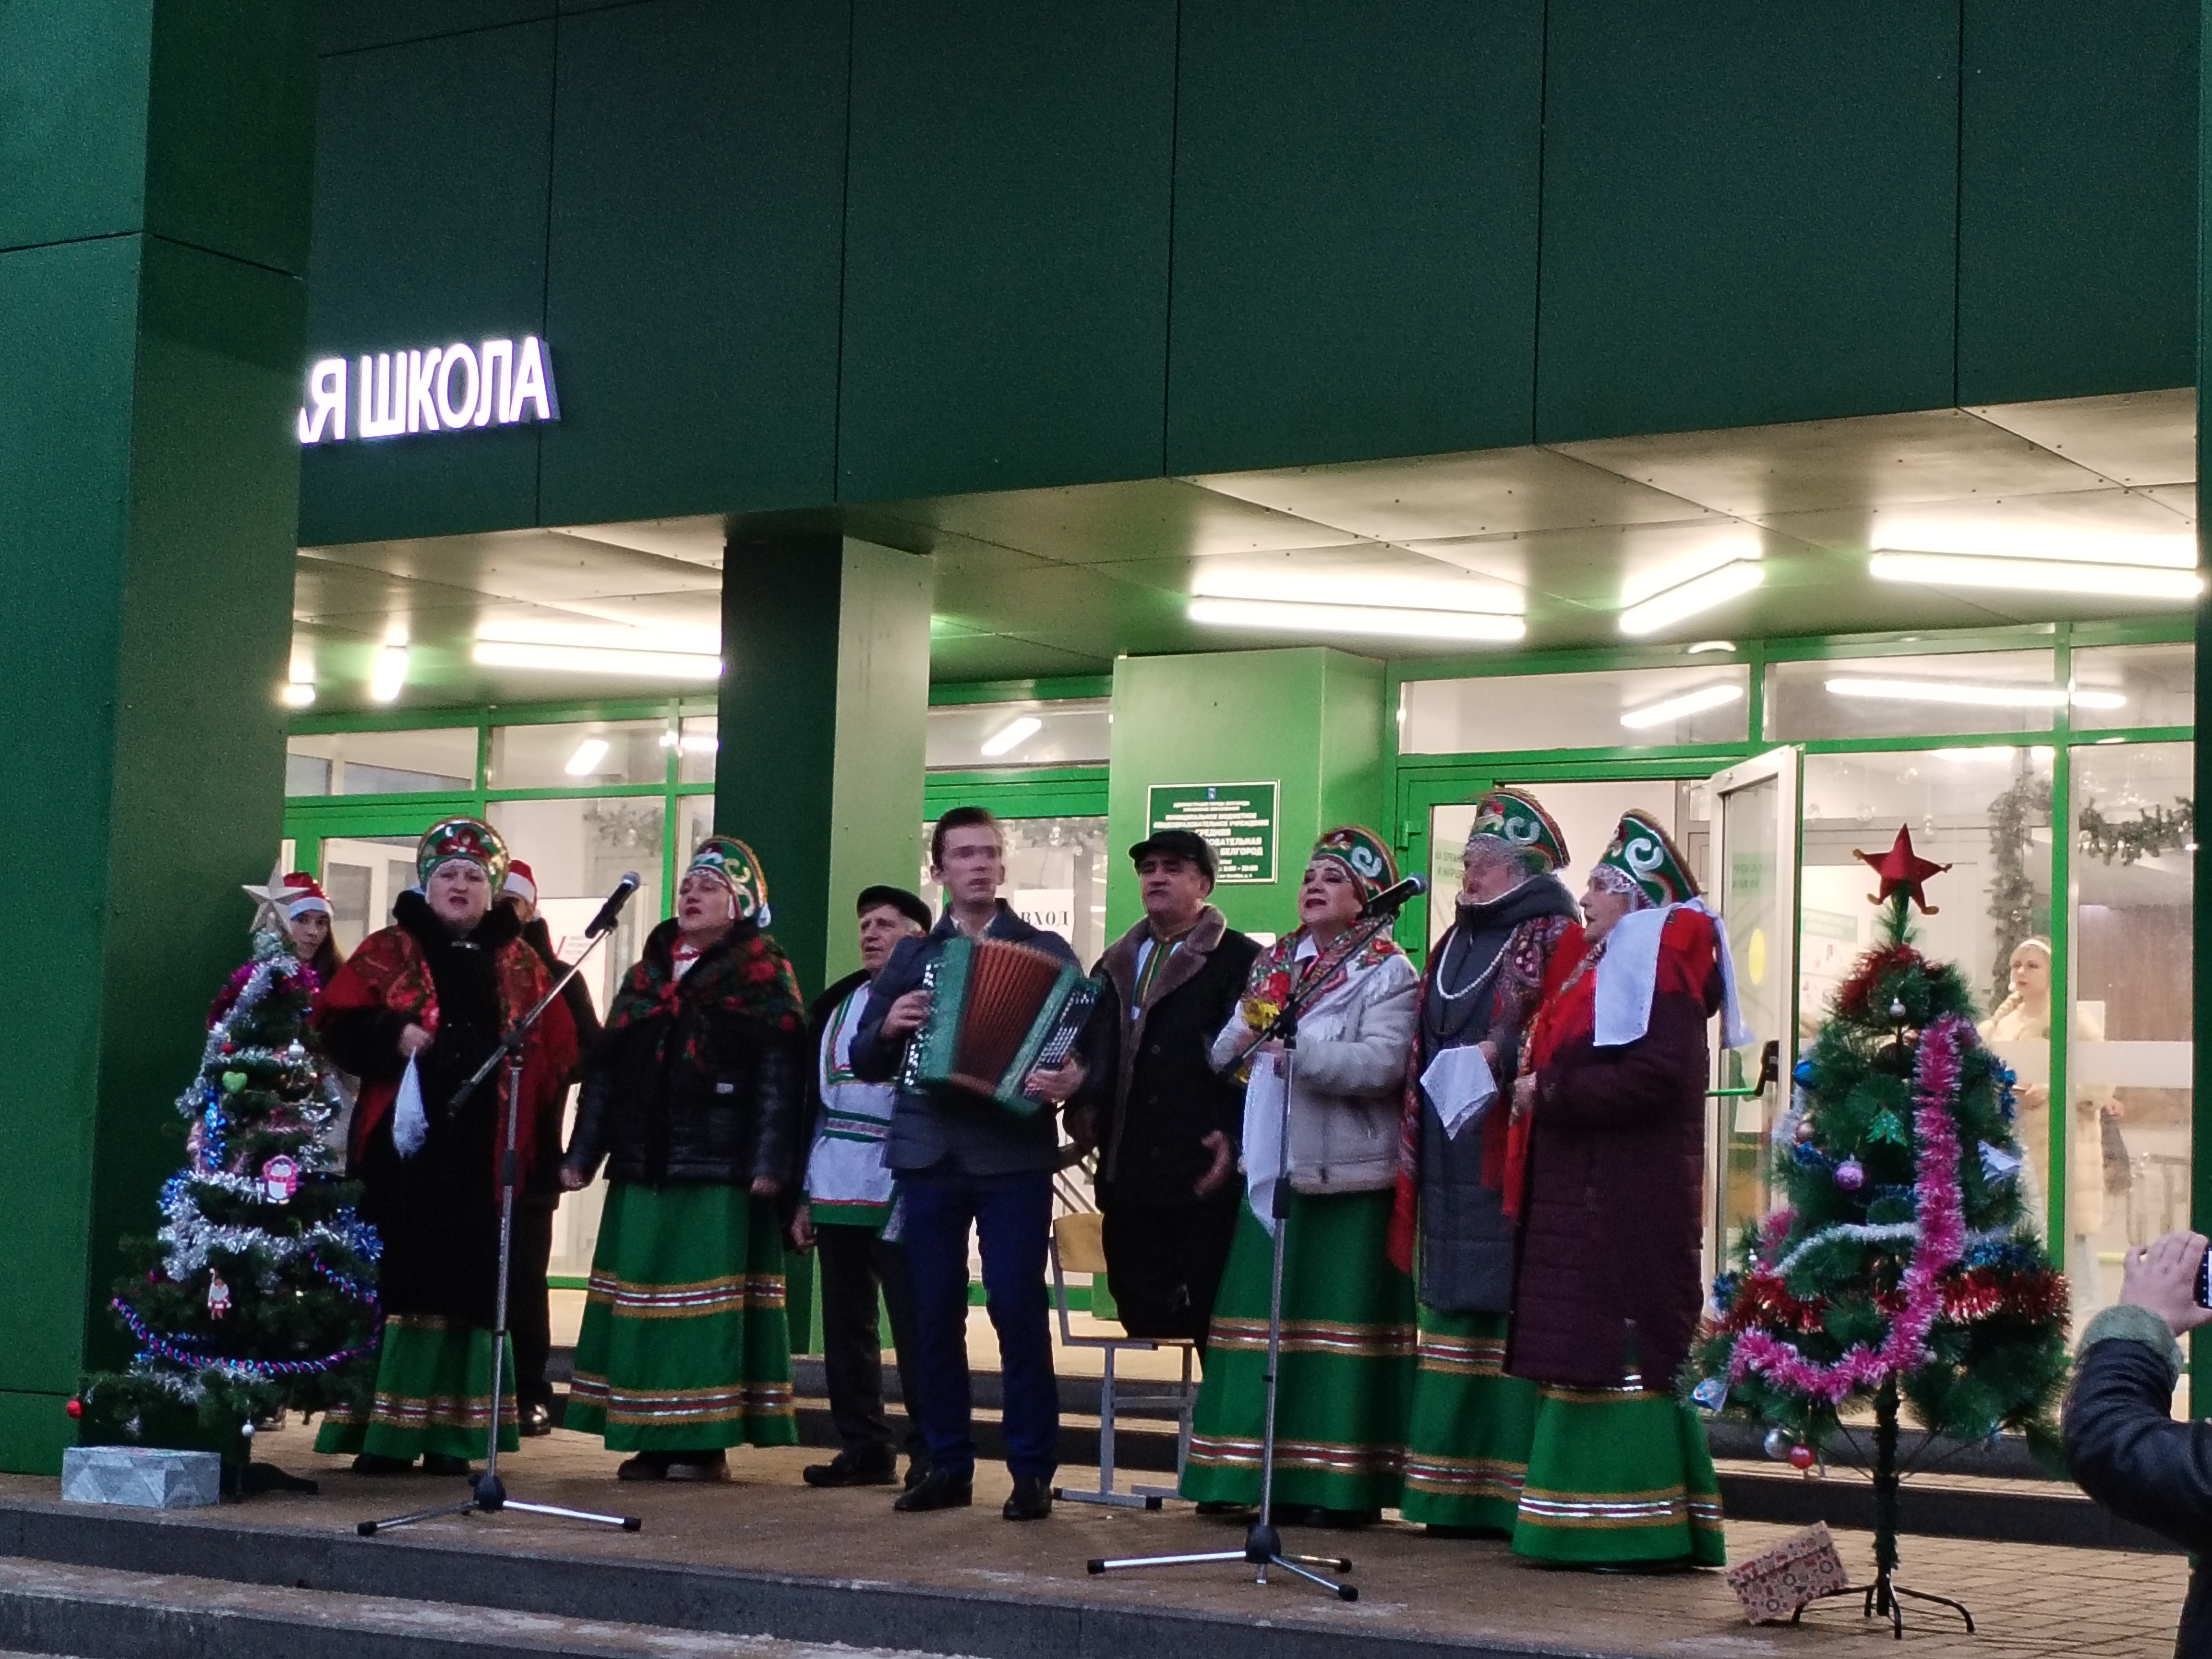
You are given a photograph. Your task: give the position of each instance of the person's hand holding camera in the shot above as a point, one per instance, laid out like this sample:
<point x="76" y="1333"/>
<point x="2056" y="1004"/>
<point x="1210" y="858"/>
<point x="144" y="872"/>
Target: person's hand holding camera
<point x="2162" y="1276"/>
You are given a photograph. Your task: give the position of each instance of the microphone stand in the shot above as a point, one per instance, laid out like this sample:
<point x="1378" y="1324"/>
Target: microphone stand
<point x="1263" y="1542"/>
<point x="488" y="1496"/>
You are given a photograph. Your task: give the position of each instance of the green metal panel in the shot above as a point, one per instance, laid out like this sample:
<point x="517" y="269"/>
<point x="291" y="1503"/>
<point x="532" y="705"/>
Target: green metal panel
<point x="2077" y="197"/>
<point x="1040" y="791"/>
<point x="1310" y="720"/>
<point x="1006" y="244"/>
<point x="2200" y="1125"/>
<point x="1748" y="213"/>
<point x="351" y="25"/>
<point x="1355" y="229"/>
<point x="698" y="193"/>
<point x="73" y="97"/>
<point x="430" y="190"/>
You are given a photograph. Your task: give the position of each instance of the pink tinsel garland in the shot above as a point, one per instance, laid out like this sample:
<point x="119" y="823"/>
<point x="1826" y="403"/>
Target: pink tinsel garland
<point x="1934" y="1253"/>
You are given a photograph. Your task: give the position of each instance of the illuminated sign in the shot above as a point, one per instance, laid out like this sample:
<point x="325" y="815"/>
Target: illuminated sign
<point x="445" y="389"/>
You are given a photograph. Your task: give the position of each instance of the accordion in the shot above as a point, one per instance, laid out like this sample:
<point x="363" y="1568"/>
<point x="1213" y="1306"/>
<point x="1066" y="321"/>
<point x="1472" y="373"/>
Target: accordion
<point x="998" y="1011"/>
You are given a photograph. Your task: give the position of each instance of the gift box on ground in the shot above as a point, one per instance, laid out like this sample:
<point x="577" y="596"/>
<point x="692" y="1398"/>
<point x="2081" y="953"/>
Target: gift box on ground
<point x="1802" y="1567"/>
<point x="145" y="1477"/>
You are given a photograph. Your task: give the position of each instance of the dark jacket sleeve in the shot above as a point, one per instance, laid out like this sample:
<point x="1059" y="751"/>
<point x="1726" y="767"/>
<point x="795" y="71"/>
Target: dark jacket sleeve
<point x="2122" y="1445"/>
<point x="365" y="1041"/>
<point x="875" y="1057"/>
<point x="574" y="997"/>
<point x="1636" y="1085"/>
<point x="778" y="1151"/>
<point x="587" y="1141"/>
<point x="1099" y="1049"/>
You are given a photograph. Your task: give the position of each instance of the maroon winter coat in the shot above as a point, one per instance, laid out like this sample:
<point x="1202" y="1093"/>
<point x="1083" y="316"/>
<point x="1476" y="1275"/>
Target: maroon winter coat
<point x="1612" y="1208"/>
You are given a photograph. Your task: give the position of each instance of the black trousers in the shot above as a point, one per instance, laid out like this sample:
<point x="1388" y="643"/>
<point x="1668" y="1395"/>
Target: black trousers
<point x="1164" y="1261"/>
<point x="529" y="1305"/>
<point x="857" y="1264"/>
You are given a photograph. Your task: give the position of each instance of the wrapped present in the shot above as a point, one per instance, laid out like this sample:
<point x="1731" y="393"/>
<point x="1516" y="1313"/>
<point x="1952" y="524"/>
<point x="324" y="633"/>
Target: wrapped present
<point x="1802" y="1567"/>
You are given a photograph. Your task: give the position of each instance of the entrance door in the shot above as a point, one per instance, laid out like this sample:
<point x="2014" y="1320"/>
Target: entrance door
<point x="1754" y="889"/>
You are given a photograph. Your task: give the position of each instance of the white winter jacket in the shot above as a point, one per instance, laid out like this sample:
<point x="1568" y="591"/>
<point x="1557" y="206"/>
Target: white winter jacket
<point x="1348" y="1076"/>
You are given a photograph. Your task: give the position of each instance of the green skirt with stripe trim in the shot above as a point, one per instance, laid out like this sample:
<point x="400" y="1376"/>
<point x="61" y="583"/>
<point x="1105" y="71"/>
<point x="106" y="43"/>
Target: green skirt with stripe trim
<point x="684" y="1346"/>
<point x="1616" y="1476"/>
<point x="1347" y="1362"/>
<point x="1467" y="1445"/>
<point x="432" y="1394"/>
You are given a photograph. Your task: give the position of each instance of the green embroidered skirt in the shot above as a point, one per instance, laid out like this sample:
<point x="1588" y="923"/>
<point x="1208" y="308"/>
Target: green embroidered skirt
<point x="1347" y="1363"/>
<point x="684" y="1347"/>
<point x="432" y="1394"/>
<point x="1619" y="1475"/>
<point x="1467" y="1446"/>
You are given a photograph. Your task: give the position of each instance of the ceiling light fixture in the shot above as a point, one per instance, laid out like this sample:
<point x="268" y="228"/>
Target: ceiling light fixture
<point x="298" y="694"/>
<point x="1675" y="708"/>
<point x="1285" y="617"/>
<point x="1708" y="645"/>
<point x="1011" y="735"/>
<point x="2114" y="580"/>
<point x="1971" y="694"/>
<point x="596" y="659"/>
<point x="1686" y="599"/>
<point x="388" y="678"/>
<point x="585" y="761"/>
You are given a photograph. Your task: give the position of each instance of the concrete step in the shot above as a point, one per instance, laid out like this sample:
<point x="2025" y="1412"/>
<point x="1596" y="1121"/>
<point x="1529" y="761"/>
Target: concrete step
<point x="95" y="1612"/>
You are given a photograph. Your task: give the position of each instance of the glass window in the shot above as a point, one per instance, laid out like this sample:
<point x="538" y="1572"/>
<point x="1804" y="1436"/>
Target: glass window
<point x="583" y="755"/>
<point x="438" y="758"/>
<point x="1985" y="811"/>
<point x="695" y="761"/>
<point x="363" y="875"/>
<point x="1055" y="878"/>
<point x="1911" y="696"/>
<point x="2130" y="1048"/>
<point x="1587" y="814"/>
<point x="1613" y="709"/>
<point x="1070" y="732"/>
<point x="2117" y="685"/>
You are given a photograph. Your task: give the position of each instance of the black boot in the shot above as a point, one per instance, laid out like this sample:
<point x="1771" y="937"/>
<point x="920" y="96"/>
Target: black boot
<point x="1032" y="1498"/>
<point x="872" y="1468"/>
<point x="940" y="1490"/>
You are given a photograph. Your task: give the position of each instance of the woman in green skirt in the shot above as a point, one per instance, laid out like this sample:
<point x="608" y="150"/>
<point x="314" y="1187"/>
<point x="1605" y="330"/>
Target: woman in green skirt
<point x="693" y="1098"/>
<point x="1348" y="1336"/>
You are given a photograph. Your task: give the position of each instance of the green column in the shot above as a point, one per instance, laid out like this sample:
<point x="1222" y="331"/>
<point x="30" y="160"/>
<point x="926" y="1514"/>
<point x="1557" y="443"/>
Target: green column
<point x="1310" y="720"/>
<point x="825" y="705"/>
<point x="2200" y="1127"/>
<point x="154" y="228"/>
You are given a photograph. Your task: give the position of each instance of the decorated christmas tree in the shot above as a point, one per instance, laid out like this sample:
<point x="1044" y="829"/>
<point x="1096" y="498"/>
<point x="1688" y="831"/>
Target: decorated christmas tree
<point x="1903" y="1273"/>
<point x="258" y="1293"/>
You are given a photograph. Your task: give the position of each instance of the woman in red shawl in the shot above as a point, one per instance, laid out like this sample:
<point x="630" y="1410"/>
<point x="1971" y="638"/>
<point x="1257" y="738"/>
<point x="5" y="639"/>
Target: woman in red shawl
<point x="1605" y="1165"/>
<point x="433" y="994"/>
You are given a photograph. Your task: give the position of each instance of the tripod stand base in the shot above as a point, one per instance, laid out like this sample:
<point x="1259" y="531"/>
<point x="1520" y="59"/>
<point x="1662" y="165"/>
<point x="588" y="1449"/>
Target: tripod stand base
<point x="1881" y="1598"/>
<point x="1263" y="1549"/>
<point x="489" y="1497"/>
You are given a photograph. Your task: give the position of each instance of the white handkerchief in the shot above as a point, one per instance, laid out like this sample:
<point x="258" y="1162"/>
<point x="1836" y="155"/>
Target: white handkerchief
<point x="1460" y="1085"/>
<point x="1263" y="1139"/>
<point x="411" y="1124"/>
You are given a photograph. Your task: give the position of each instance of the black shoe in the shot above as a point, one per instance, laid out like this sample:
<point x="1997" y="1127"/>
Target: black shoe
<point x="441" y="1463"/>
<point x="698" y="1466"/>
<point x="937" y="1490"/>
<point x="917" y="1471"/>
<point x="1032" y="1498"/>
<point x="537" y="1420"/>
<point x="1217" y="1506"/>
<point x="1316" y="1514"/>
<point x="847" y="1470"/>
<point x="646" y="1466"/>
<point x="371" y="1463"/>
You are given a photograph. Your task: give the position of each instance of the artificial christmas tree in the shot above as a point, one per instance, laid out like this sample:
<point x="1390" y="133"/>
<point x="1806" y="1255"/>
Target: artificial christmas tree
<point x="258" y="1294"/>
<point x="1903" y="1271"/>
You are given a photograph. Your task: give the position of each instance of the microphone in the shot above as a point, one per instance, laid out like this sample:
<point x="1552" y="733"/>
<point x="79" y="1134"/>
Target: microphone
<point x="605" y="921"/>
<point x="1390" y="900"/>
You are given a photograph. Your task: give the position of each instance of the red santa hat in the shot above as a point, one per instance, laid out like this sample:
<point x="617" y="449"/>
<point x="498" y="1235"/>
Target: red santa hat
<point x="296" y="895"/>
<point x="520" y="881"/>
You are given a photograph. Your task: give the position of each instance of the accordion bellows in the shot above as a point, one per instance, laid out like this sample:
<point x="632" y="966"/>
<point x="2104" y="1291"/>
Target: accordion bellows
<point x="998" y="1011"/>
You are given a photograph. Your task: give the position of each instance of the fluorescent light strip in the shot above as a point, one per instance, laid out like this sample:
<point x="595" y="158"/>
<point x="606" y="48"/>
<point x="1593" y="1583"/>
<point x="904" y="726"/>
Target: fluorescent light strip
<point x="1967" y="692"/>
<point x="2131" y="581"/>
<point x="1011" y="735"/>
<point x="1686" y="599"/>
<point x="1675" y="709"/>
<point x="1387" y="621"/>
<point x="593" y="659"/>
<point x="388" y="678"/>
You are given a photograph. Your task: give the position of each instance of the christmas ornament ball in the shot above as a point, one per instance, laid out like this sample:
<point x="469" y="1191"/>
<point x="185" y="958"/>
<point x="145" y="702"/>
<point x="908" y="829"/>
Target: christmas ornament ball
<point x="74" y="1409"/>
<point x="1777" y="1443"/>
<point x="245" y="1430"/>
<point x="1801" y="1458"/>
<point x="1850" y="1175"/>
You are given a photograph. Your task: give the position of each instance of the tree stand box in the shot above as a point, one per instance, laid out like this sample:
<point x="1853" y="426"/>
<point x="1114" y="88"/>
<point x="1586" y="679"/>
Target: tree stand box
<point x="145" y="1477"/>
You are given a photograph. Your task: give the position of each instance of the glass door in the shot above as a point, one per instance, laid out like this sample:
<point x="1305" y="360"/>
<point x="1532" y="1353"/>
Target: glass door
<point x="1754" y="886"/>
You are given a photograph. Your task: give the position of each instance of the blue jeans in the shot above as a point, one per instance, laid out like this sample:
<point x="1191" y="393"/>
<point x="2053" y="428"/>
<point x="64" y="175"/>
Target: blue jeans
<point x="1012" y="1216"/>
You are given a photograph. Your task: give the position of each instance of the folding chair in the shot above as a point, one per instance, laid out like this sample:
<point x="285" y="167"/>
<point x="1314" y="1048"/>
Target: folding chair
<point x="1078" y="1246"/>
